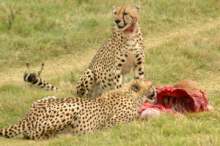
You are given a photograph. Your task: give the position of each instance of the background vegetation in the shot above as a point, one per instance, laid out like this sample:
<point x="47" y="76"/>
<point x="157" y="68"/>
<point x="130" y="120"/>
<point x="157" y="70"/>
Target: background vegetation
<point x="182" y="39"/>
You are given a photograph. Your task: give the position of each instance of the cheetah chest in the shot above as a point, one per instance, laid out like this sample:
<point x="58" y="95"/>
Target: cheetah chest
<point x="131" y="49"/>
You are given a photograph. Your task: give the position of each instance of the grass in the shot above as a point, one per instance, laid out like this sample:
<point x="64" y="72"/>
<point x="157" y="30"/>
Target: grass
<point x="182" y="40"/>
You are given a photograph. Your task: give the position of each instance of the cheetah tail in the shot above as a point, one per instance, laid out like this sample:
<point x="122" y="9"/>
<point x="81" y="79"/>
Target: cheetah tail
<point x="33" y="79"/>
<point x="12" y="130"/>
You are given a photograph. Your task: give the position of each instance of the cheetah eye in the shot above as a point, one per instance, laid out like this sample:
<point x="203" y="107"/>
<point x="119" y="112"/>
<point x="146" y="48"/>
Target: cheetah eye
<point x="115" y="13"/>
<point x="125" y="13"/>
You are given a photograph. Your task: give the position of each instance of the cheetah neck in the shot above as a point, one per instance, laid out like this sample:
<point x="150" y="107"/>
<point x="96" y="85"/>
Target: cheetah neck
<point x="138" y="100"/>
<point x="110" y="98"/>
<point x="129" y="40"/>
<point x="129" y="33"/>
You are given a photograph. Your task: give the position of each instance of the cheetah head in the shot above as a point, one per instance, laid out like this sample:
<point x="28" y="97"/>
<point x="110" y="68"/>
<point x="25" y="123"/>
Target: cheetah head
<point x="126" y="17"/>
<point x="145" y="90"/>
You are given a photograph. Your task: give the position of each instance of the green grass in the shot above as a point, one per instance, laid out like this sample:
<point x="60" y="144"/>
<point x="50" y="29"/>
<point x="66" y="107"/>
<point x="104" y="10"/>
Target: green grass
<point x="182" y="40"/>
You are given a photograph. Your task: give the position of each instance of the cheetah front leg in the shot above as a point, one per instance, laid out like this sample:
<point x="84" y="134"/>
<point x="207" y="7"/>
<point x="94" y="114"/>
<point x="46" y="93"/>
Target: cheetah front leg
<point x="86" y="84"/>
<point x="119" y="77"/>
<point x="139" y="67"/>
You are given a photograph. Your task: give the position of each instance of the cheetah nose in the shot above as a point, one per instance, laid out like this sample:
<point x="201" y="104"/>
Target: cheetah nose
<point x="117" y="21"/>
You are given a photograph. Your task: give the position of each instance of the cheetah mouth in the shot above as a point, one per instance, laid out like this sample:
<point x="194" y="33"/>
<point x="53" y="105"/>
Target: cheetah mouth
<point x="126" y="28"/>
<point x="122" y="27"/>
<point x="152" y="98"/>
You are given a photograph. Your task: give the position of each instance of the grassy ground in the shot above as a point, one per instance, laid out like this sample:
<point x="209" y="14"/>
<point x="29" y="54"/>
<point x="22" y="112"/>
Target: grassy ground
<point x="182" y="39"/>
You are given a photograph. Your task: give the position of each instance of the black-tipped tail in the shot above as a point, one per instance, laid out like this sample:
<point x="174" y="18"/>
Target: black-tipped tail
<point x="33" y="79"/>
<point x="30" y="77"/>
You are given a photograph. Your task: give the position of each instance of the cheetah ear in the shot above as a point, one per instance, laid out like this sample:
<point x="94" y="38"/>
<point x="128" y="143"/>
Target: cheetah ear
<point x="138" y="8"/>
<point x="136" y="87"/>
<point x="113" y="7"/>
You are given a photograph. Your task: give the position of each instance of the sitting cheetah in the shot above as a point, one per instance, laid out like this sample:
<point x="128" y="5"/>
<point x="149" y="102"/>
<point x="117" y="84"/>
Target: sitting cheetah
<point x="50" y="116"/>
<point x="112" y="63"/>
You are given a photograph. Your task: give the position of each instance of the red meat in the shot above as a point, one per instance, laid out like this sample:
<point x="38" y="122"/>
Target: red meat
<point x="177" y="100"/>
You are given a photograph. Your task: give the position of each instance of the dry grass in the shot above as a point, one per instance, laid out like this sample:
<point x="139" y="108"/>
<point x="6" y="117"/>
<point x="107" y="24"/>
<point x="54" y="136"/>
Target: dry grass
<point x="182" y="41"/>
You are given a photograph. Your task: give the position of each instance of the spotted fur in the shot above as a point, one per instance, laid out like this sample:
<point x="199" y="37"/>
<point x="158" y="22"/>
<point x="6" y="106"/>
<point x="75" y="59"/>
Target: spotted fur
<point x="112" y="63"/>
<point x="50" y="116"/>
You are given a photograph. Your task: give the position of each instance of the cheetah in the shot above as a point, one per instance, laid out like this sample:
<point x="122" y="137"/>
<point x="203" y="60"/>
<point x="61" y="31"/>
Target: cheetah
<point x="33" y="79"/>
<point x="112" y="63"/>
<point x="51" y="116"/>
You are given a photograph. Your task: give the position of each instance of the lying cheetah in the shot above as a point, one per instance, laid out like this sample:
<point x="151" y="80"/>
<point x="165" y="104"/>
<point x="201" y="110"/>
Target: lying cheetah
<point x="112" y="63"/>
<point x="50" y="116"/>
